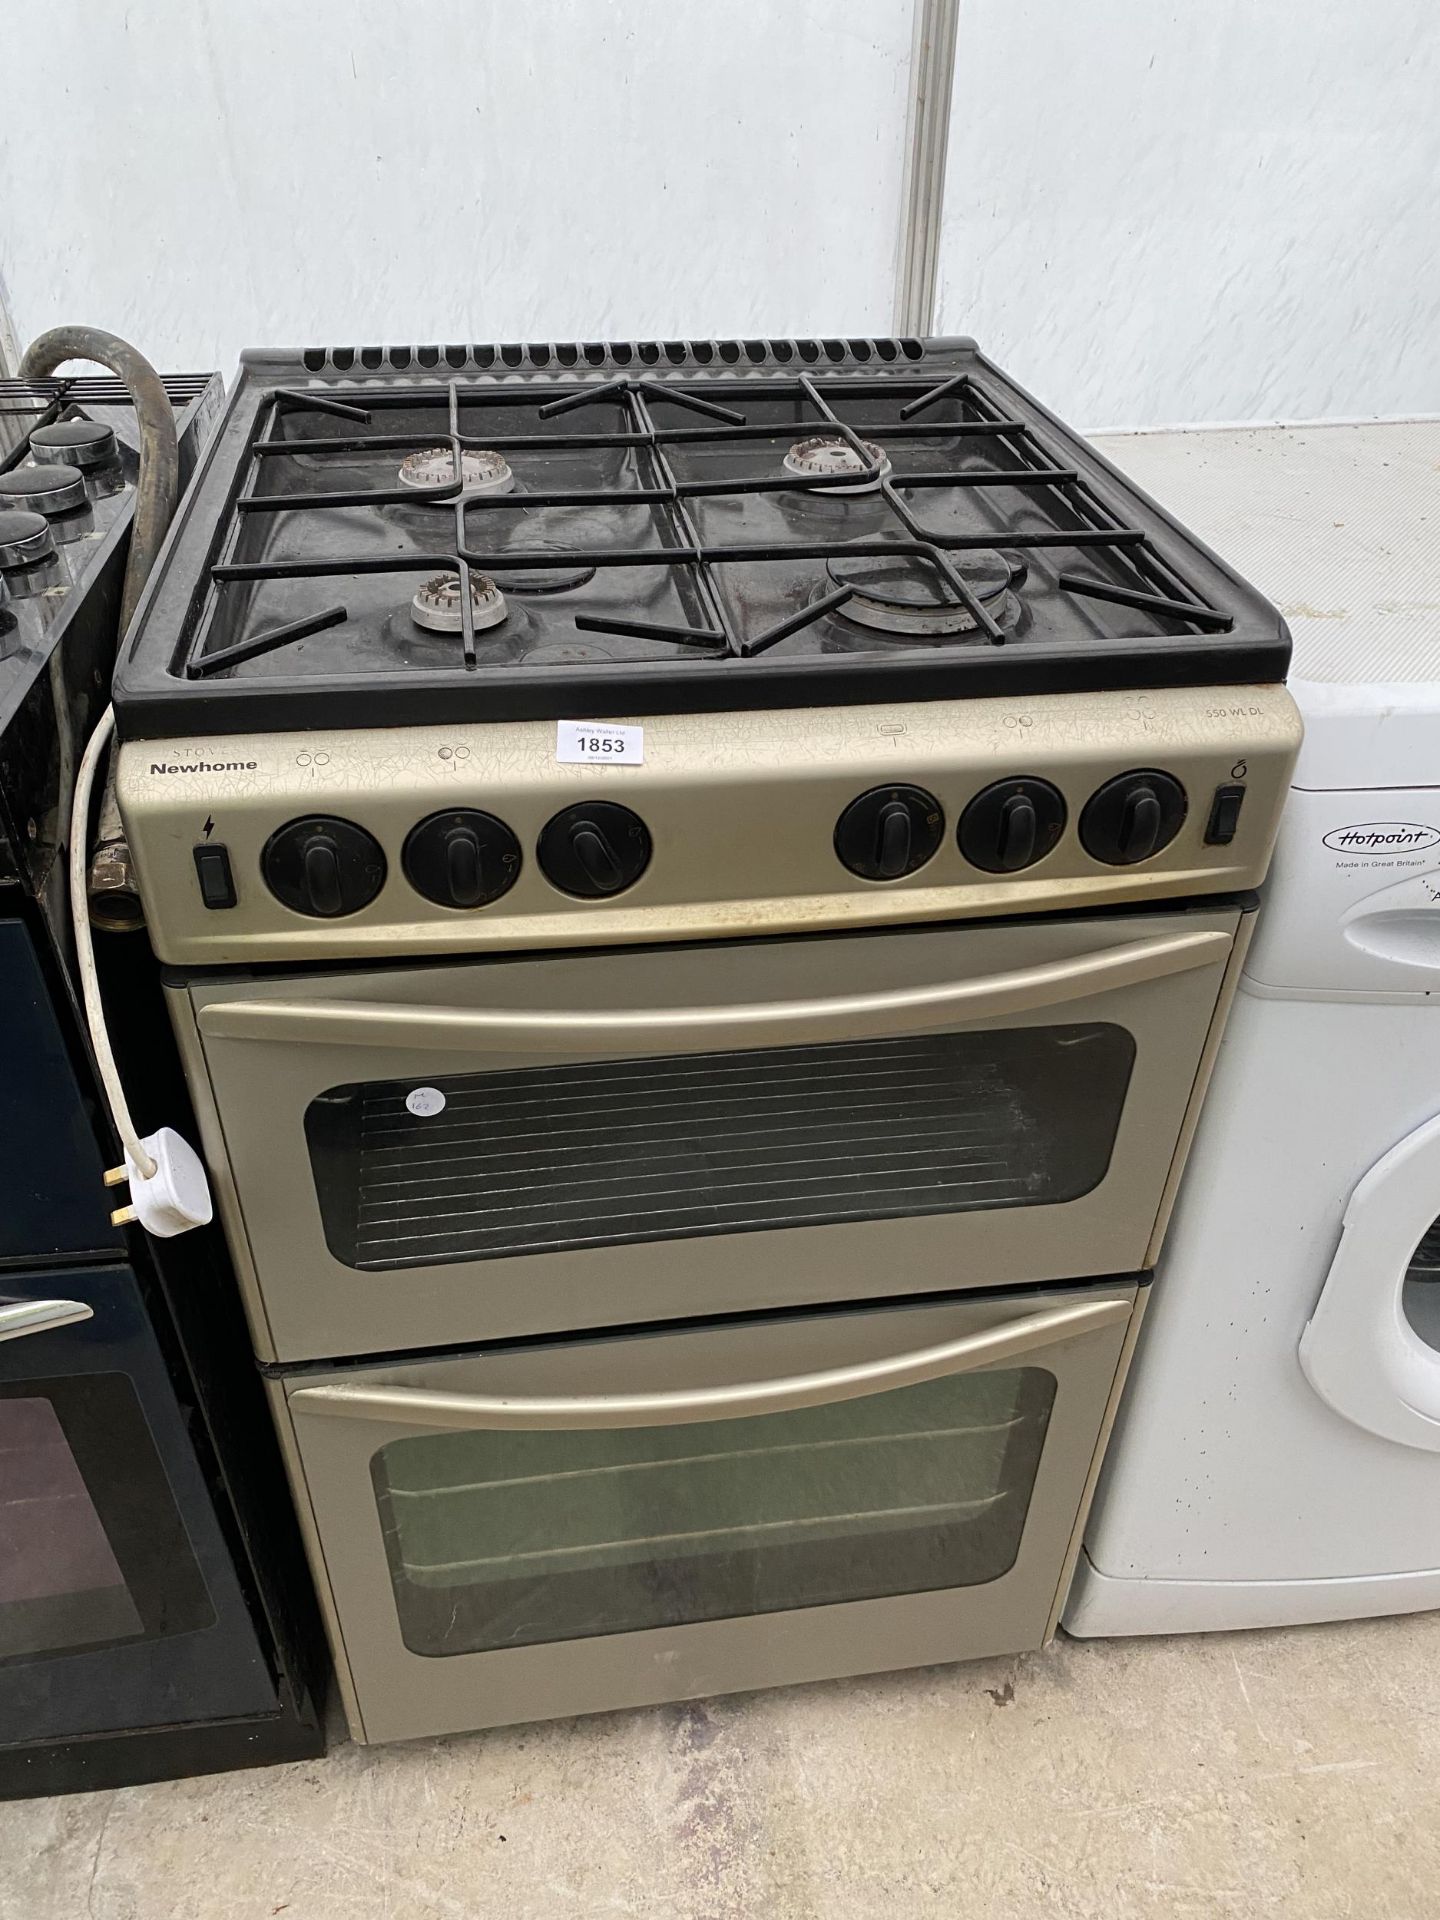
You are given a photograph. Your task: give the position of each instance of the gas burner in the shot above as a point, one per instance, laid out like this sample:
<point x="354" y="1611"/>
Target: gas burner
<point x="826" y="453"/>
<point x="575" y="653"/>
<point x="481" y="471"/>
<point x="54" y="491"/>
<point x="77" y="443"/>
<point x="543" y="580"/>
<point x="25" y="540"/>
<point x="436" y="607"/>
<point x="907" y="596"/>
<point x="86" y="446"/>
<point x="29" y="564"/>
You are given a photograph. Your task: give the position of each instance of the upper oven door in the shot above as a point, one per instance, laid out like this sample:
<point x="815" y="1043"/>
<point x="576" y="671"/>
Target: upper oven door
<point x="435" y="1155"/>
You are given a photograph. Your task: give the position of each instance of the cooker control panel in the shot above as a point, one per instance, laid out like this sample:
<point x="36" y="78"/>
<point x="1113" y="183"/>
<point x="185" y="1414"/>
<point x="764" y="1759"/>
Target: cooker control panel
<point x="287" y="847"/>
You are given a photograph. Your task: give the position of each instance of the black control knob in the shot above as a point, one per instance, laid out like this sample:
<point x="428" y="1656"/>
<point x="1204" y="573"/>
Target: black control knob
<point x="320" y="876"/>
<point x="594" y="850"/>
<point x="1012" y="824"/>
<point x="323" y="866"/>
<point x="889" y="832"/>
<point x="1132" y="817"/>
<point x="463" y="858"/>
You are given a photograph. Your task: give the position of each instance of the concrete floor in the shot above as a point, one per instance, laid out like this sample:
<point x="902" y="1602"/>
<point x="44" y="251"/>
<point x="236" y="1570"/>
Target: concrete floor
<point x="1279" y="1774"/>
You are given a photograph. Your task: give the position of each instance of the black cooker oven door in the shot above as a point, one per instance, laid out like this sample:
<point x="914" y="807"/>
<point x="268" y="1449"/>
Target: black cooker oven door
<point x="119" y="1604"/>
<point x="51" y="1198"/>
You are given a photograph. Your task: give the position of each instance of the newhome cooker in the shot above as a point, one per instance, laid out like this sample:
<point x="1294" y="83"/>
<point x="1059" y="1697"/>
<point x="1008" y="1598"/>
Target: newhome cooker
<point x="700" y="884"/>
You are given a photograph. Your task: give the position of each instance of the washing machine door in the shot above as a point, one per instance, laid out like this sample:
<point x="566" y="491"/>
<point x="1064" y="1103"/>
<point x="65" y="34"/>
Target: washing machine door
<point x="1372" y="1347"/>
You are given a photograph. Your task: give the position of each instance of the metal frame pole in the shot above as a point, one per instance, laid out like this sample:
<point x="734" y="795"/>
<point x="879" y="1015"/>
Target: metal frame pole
<point x="932" y="71"/>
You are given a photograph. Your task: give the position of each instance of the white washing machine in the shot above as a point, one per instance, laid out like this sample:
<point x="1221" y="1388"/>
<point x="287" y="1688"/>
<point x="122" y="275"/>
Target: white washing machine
<point x="1277" y="1459"/>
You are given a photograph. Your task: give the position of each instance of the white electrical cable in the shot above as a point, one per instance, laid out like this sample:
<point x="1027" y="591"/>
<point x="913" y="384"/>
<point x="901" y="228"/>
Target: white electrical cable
<point x="135" y="1150"/>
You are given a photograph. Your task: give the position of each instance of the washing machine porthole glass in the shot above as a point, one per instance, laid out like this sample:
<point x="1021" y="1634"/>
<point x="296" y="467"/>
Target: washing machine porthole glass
<point x="1420" y="1296"/>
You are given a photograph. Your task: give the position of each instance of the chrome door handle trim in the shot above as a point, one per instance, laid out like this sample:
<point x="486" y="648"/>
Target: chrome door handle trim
<point x="19" y="1317"/>
<point x="422" y="1407"/>
<point x="1023" y="989"/>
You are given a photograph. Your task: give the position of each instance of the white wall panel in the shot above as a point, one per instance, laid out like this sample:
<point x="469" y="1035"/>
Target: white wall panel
<point x="1186" y="212"/>
<point x="201" y="175"/>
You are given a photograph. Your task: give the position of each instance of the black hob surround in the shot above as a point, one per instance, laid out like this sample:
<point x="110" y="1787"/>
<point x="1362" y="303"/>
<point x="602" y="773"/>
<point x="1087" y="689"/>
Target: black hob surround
<point x="660" y="527"/>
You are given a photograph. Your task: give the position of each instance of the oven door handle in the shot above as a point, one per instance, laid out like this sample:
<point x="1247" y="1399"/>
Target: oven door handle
<point x="421" y="1407"/>
<point x="783" y="1022"/>
<point x="19" y="1317"/>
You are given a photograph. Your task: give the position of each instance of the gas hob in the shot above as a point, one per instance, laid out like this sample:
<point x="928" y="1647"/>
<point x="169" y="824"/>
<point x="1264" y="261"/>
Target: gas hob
<point x="69" y="460"/>
<point x="866" y="634"/>
<point x="389" y="537"/>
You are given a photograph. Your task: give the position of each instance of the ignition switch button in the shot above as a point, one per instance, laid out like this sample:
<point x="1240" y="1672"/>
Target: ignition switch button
<point x="212" y="870"/>
<point x="1224" y="816"/>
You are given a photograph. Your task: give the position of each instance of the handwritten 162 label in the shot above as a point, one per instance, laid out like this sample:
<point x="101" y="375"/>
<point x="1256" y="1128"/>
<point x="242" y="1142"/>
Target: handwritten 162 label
<point x="598" y="743"/>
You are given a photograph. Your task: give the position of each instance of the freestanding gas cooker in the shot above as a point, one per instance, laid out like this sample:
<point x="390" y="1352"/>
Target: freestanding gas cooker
<point x="702" y="882"/>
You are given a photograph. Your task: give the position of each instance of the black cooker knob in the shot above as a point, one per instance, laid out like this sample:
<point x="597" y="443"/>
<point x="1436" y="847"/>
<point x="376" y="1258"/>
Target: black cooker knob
<point x="323" y="866"/>
<point x="594" y="850"/>
<point x="1012" y="824"/>
<point x="1132" y="817"/>
<point x="461" y="859"/>
<point x="889" y="832"/>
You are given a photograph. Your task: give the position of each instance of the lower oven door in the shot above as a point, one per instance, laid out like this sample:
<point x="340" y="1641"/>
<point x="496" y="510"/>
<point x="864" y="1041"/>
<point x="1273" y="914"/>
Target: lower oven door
<point x="570" y="1527"/>
<point x="438" y="1155"/>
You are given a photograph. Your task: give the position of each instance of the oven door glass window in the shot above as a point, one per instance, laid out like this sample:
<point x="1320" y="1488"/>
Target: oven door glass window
<point x="593" y="1154"/>
<point x="92" y="1549"/>
<point x="504" y="1539"/>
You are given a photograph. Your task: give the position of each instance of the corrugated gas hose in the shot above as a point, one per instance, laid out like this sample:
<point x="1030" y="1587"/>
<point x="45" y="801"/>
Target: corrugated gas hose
<point x="114" y="902"/>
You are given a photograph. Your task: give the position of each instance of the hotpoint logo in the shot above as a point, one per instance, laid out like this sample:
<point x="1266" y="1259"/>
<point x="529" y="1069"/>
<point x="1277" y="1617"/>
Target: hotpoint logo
<point x="1383" y="836"/>
<point x="204" y="766"/>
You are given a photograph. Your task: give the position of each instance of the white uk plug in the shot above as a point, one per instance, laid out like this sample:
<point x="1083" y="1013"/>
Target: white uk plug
<point x="171" y="1200"/>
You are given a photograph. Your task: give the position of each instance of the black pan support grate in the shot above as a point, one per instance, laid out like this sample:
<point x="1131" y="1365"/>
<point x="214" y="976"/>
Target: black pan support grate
<point x="1149" y="580"/>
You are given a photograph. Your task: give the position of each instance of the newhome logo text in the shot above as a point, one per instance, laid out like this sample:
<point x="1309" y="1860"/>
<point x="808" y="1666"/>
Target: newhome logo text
<point x="204" y="766"/>
<point x="1383" y="836"/>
